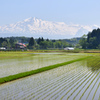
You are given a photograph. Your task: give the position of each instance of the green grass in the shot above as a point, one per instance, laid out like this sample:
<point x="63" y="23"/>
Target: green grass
<point x="14" y="55"/>
<point x="32" y="72"/>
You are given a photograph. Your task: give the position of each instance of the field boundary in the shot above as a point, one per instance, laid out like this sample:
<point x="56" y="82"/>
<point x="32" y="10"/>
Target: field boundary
<point x="32" y="72"/>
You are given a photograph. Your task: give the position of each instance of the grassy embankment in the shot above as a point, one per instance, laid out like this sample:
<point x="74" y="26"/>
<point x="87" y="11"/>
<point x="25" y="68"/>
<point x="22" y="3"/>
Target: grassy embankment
<point x="57" y="50"/>
<point x="28" y="73"/>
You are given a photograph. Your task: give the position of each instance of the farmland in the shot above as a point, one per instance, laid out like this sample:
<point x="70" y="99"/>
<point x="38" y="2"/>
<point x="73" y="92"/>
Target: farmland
<point x="79" y="80"/>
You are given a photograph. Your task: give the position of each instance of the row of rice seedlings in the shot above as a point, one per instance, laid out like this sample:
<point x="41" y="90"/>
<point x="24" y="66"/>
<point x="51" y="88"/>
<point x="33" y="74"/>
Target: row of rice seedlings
<point x="84" y="86"/>
<point x="80" y="82"/>
<point x="65" y="83"/>
<point x="24" y="74"/>
<point x="53" y="88"/>
<point x="71" y="68"/>
<point x="46" y="90"/>
<point x="92" y="88"/>
<point x="90" y="69"/>
<point x="69" y="94"/>
<point x="90" y="84"/>
<point x="56" y="91"/>
<point x="63" y="89"/>
<point x="99" y="97"/>
<point x="95" y="91"/>
<point x="48" y="85"/>
<point x="34" y="91"/>
<point x="28" y="91"/>
<point x="93" y="83"/>
<point x="86" y="92"/>
<point x="5" y="95"/>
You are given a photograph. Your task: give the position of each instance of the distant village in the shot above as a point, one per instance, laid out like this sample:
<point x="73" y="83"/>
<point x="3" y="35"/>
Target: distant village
<point x="25" y="43"/>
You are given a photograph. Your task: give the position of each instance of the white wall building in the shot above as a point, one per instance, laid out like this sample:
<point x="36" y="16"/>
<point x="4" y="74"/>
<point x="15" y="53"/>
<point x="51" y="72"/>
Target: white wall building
<point x="2" y="48"/>
<point x="69" y="48"/>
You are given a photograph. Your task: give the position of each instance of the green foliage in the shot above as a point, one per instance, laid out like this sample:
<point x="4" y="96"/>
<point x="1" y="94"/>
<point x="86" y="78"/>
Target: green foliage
<point x="51" y="44"/>
<point x="44" y="44"/>
<point x="77" y="46"/>
<point x="92" y="40"/>
<point x="98" y="46"/>
<point x="3" y="41"/>
<point x="39" y="40"/>
<point x="39" y="43"/>
<point x="31" y="43"/>
<point x="4" y="44"/>
<point x="83" y="42"/>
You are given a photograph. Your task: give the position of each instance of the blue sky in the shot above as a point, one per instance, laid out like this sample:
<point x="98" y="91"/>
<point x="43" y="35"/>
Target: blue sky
<point x="85" y="12"/>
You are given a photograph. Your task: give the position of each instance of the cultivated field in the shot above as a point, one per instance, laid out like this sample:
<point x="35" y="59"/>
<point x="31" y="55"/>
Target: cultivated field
<point x="79" y="80"/>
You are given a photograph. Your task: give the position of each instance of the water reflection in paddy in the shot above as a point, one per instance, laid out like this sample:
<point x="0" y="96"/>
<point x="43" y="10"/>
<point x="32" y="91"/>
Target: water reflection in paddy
<point x="33" y="61"/>
<point x="75" y="81"/>
<point x="79" y="80"/>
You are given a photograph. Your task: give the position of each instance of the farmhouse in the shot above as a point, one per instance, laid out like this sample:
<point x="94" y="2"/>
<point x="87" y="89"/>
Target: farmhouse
<point x="20" y="46"/>
<point x="69" y="48"/>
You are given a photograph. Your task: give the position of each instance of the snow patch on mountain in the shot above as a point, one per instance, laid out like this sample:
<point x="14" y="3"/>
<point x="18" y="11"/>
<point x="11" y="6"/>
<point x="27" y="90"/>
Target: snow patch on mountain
<point x="37" y="27"/>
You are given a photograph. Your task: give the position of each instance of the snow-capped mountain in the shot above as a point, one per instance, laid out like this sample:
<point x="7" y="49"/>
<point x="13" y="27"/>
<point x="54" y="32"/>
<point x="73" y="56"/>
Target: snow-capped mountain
<point x="47" y="29"/>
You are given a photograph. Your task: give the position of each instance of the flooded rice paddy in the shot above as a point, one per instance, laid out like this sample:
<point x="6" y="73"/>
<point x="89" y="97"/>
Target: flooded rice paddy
<point x="77" y="81"/>
<point x="32" y="62"/>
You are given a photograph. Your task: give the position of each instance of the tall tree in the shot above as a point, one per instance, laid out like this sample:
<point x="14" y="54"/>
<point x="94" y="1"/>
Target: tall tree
<point x="39" y="40"/>
<point x="83" y="42"/>
<point x="31" y="41"/>
<point x="11" y="42"/>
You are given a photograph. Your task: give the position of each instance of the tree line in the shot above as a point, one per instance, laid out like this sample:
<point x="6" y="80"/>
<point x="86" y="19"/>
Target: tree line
<point x="31" y="43"/>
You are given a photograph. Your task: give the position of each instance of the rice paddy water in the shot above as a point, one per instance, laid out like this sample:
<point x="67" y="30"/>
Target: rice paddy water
<point x="76" y="81"/>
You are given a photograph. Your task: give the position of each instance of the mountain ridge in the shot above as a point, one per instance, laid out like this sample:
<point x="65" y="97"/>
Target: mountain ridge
<point x="37" y="27"/>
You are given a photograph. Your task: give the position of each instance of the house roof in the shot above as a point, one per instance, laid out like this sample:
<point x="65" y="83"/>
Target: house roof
<point x="22" y="44"/>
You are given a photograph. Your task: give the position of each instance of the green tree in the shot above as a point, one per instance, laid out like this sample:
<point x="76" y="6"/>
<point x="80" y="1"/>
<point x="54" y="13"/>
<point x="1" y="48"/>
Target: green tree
<point x="4" y="44"/>
<point x="93" y="39"/>
<point x="44" y="44"/>
<point x="92" y="43"/>
<point x="98" y="46"/>
<point x="77" y="46"/>
<point x="31" y="43"/>
<point x="2" y="40"/>
<point x="83" y="42"/>
<point x="11" y="42"/>
<point x="39" y="40"/>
